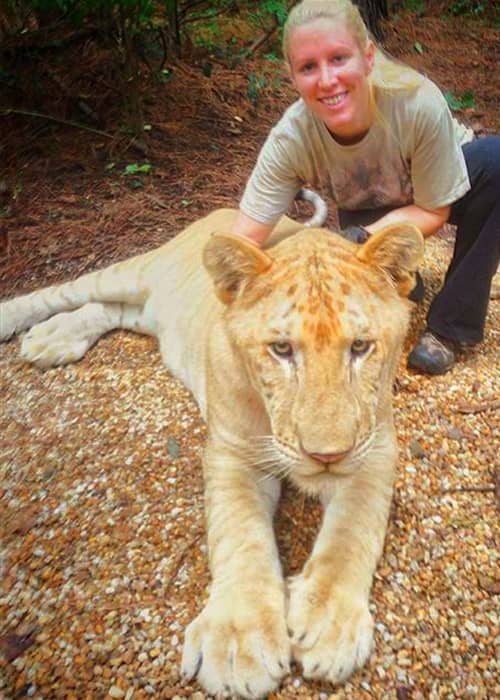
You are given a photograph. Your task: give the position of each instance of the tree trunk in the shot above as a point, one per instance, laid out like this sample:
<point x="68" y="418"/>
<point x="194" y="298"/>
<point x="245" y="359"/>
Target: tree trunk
<point x="174" y="34"/>
<point x="373" y="11"/>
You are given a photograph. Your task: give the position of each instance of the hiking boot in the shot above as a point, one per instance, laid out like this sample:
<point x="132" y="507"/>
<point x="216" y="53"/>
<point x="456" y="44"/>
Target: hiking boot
<point x="432" y="354"/>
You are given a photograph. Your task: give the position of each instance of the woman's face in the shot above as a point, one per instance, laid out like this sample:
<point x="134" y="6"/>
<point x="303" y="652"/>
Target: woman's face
<point x="330" y="72"/>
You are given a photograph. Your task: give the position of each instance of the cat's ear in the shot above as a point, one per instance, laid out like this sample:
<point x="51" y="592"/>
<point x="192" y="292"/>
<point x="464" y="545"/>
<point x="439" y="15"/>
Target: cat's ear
<point x="231" y="260"/>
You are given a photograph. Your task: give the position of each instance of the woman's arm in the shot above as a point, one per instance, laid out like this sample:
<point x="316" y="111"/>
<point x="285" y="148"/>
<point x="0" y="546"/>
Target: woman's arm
<point x="253" y="230"/>
<point x="427" y="220"/>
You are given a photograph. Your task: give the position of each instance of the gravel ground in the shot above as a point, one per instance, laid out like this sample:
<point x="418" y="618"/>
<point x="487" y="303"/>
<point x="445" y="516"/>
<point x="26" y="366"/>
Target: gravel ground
<point x="103" y="556"/>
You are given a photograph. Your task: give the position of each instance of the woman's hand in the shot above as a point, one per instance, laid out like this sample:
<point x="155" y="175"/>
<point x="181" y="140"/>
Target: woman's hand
<point x="253" y="230"/>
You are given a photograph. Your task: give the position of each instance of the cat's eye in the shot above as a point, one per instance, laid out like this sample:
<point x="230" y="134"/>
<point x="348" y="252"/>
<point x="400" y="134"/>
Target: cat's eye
<point x="360" y="347"/>
<point x="283" y="350"/>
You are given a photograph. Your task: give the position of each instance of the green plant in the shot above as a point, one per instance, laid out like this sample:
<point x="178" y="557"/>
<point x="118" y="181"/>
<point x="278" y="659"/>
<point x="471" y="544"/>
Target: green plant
<point x="458" y="102"/>
<point x="414" y="5"/>
<point x="467" y="8"/>
<point x="278" y="8"/>
<point x="272" y="56"/>
<point x="208" y="35"/>
<point x="136" y="168"/>
<point x="269" y="15"/>
<point x="255" y="85"/>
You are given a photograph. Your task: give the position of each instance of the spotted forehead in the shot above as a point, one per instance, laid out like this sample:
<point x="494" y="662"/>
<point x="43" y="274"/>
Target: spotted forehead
<point x="323" y="291"/>
<point x="325" y="277"/>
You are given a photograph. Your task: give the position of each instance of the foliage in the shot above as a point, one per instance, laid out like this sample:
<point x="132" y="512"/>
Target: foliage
<point x="77" y="11"/>
<point x="268" y="16"/>
<point x="145" y="34"/>
<point x="210" y="33"/>
<point x="273" y="57"/>
<point x="271" y="8"/>
<point x="414" y="5"/>
<point x="136" y="168"/>
<point x="467" y="8"/>
<point x="255" y="84"/>
<point x="458" y="102"/>
<point x="122" y="24"/>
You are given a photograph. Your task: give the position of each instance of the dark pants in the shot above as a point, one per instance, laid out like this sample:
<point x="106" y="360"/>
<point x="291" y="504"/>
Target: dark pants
<point x="458" y="311"/>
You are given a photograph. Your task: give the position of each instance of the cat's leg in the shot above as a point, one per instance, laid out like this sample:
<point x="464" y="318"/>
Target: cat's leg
<point x="66" y="337"/>
<point x="329" y="619"/>
<point x="124" y="282"/>
<point x="238" y="644"/>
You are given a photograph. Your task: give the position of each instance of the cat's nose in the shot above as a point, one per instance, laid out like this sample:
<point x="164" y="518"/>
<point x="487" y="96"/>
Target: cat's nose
<point x="328" y="457"/>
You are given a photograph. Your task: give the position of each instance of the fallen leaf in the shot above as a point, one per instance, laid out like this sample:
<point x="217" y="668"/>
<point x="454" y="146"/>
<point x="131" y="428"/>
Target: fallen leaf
<point x="22" y="522"/>
<point x="13" y="645"/>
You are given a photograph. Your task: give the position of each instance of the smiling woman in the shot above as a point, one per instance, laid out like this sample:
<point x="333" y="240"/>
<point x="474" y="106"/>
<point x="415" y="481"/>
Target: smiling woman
<point x="381" y="139"/>
<point x="330" y="71"/>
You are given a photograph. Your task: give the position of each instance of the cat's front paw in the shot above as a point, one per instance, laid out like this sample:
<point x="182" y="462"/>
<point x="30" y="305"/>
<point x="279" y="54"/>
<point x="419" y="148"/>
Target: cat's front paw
<point x="54" y="342"/>
<point x="331" y="628"/>
<point x="239" y="644"/>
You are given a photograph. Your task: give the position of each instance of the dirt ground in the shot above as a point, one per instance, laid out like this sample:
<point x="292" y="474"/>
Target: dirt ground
<point x="103" y="560"/>
<point x="66" y="206"/>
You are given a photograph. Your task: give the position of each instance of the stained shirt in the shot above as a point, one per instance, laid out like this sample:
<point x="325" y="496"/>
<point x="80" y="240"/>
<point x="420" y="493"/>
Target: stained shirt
<point x="411" y="154"/>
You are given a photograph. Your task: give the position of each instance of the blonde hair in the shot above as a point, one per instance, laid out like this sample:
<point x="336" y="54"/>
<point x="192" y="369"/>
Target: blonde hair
<point x="387" y="74"/>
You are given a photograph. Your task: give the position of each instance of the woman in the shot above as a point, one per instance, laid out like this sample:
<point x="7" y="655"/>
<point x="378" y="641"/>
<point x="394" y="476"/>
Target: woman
<point x="381" y="138"/>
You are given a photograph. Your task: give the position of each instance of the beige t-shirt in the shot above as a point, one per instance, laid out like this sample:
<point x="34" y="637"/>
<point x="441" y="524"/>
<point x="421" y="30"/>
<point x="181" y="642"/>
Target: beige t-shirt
<point x="411" y="155"/>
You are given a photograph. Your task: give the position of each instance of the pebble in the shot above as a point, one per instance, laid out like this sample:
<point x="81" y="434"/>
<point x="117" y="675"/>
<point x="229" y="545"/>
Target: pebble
<point x="436" y="659"/>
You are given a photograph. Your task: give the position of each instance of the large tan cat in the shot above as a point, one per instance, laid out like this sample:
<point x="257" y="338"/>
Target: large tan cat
<point x="291" y="354"/>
